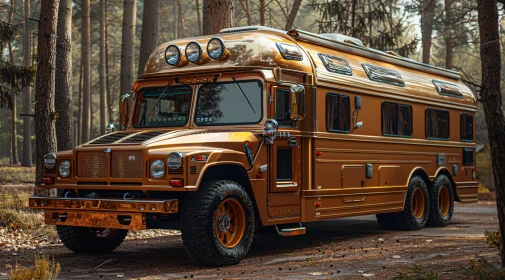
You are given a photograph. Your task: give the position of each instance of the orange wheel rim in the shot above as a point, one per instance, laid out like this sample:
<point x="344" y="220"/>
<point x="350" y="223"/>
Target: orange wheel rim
<point x="230" y="223"/>
<point x="443" y="201"/>
<point x="418" y="203"/>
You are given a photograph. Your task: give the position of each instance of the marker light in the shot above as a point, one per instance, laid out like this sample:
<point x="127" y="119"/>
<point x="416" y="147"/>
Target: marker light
<point x="173" y="55"/>
<point x="216" y="49"/>
<point x="194" y="52"/>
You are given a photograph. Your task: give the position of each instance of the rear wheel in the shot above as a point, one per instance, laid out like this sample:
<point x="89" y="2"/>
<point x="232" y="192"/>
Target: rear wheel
<point x="441" y="202"/>
<point x="218" y="224"/>
<point x="87" y="240"/>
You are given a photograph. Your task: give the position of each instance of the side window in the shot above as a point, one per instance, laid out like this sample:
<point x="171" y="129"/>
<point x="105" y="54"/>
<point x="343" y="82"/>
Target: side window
<point x="337" y="112"/>
<point x="282" y="107"/>
<point x="437" y="124"/>
<point x="466" y="126"/>
<point x="396" y="119"/>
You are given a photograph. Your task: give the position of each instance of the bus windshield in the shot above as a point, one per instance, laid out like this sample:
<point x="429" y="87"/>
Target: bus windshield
<point x="162" y="106"/>
<point x="225" y="103"/>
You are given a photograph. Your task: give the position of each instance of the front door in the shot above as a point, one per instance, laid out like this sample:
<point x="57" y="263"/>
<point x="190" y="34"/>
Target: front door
<point x="284" y="160"/>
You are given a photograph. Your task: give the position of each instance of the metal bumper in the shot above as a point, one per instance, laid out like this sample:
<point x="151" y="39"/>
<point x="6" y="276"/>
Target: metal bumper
<point x="103" y="213"/>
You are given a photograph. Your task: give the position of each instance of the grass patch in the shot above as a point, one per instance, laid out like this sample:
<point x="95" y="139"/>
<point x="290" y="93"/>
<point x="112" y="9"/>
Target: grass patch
<point x="482" y="269"/>
<point x="16" y="175"/>
<point x="44" y="269"/>
<point x="417" y="273"/>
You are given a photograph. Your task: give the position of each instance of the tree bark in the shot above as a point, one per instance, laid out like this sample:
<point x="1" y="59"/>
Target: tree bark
<point x="427" y="8"/>
<point x="150" y="32"/>
<point x="127" y="53"/>
<point x="449" y="48"/>
<point x="492" y="101"/>
<point x="86" y="74"/>
<point x="174" y="22"/>
<point x="197" y="3"/>
<point x="263" y="10"/>
<point x="207" y="26"/>
<point x="45" y="131"/>
<point x="110" y="96"/>
<point x="101" y="69"/>
<point x="182" y="28"/>
<point x="27" y="126"/>
<point x="63" y="91"/>
<point x="14" y="142"/>
<point x="221" y="15"/>
<point x="79" y="106"/>
<point x="293" y="13"/>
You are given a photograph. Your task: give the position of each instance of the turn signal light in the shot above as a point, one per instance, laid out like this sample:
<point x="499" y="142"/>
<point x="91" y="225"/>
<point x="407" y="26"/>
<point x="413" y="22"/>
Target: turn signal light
<point x="201" y="158"/>
<point x="318" y="153"/>
<point x="319" y="204"/>
<point x="176" y="183"/>
<point x="48" y="181"/>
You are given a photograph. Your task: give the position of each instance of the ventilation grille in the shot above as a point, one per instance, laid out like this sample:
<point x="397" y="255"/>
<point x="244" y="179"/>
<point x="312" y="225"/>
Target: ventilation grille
<point x="126" y="164"/>
<point x="383" y="75"/>
<point x="91" y="164"/>
<point x="448" y="89"/>
<point x="111" y="138"/>
<point x="192" y="170"/>
<point x="142" y="137"/>
<point x="336" y="64"/>
<point x="178" y="171"/>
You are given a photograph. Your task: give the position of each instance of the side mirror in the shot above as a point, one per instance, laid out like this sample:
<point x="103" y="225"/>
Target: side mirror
<point x="297" y="102"/>
<point x="357" y="103"/>
<point x="270" y="130"/>
<point x="110" y="128"/>
<point x="125" y="99"/>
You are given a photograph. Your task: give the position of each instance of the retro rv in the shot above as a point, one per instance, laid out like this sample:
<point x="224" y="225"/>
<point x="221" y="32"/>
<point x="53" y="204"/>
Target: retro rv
<point x="257" y="127"/>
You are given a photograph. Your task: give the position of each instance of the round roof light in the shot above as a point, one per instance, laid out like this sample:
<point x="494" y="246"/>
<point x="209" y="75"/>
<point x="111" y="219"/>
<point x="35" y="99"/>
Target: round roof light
<point x="194" y="52"/>
<point x="216" y="48"/>
<point x="173" y="55"/>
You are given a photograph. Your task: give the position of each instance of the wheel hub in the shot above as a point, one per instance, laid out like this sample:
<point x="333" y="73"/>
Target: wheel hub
<point x="224" y="222"/>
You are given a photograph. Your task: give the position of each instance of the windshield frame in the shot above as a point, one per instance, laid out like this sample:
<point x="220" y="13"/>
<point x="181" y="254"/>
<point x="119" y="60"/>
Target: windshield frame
<point x="197" y="102"/>
<point x="164" y="88"/>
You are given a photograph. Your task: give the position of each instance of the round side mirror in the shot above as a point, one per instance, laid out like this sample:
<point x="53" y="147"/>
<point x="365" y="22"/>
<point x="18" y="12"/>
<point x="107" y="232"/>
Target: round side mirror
<point x="270" y="130"/>
<point x="110" y="128"/>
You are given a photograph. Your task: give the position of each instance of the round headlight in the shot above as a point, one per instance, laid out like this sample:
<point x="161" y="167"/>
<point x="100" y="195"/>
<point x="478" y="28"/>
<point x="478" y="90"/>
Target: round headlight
<point x="50" y="160"/>
<point x="157" y="169"/>
<point x="215" y="48"/>
<point x="64" y="169"/>
<point x="173" y="55"/>
<point x="174" y="160"/>
<point x="193" y="52"/>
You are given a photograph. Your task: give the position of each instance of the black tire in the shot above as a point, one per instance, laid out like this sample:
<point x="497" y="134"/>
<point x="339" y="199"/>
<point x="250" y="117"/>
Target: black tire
<point x="86" y="240"/>
<point x="385" y="221"/>
<point x="407" y="220"/>
<point x="441" y="202"/>
<point x="201" y="224"/>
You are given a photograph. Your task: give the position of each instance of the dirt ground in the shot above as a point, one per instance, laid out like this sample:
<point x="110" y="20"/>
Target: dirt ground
<point x="350" y="248"/>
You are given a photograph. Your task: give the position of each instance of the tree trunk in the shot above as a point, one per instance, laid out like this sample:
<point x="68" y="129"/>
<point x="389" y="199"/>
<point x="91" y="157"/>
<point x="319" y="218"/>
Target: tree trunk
<point x="182" y="28"/>
<point x="449" y="48"/>
<point x="45" y="131"/>
<point x="427" y="18"/>
<point x="492" y="101"/>
<point x="174" y="22"/>
<point x="86" y="73"/>
<point x="150" y="32"/>
<point x="101" y="69"/>
<point x="221" y="15"/>
<point x="207" y="27"/>
<point x="197" y="3"/>
<point x="263" y="10"/>
<point x="79" y="106"/>
<point x="63" y="91"/>
<point x="127" y="54"/>
<point x="110" y="97"/>
<point x="14" y="142"/>
<point x="27" y="121"/>
<point x="293" y="13"/>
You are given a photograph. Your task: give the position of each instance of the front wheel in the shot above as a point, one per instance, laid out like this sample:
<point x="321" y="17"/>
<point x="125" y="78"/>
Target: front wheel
<point x="87" y="240"/>
<point x="218" y="224"/>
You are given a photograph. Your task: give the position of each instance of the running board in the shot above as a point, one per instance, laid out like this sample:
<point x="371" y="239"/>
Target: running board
<point x="291" y="231"/>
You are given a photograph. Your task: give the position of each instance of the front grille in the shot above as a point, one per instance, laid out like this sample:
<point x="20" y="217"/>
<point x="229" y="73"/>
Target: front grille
<point x="126" y="164"/>
<point x="178" y="171"/>
<point x="91" y="164"/>
<point x="142" y="137"/>
<point x="111" y="138"/>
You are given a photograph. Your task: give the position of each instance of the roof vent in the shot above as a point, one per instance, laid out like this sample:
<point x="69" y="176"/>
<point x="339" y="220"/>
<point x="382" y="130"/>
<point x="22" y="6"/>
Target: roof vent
<point x="249" y="28"/>
<point x="342" y="38"/>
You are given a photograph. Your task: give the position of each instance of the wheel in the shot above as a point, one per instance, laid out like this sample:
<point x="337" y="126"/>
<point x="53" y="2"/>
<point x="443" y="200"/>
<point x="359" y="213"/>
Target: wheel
<point x="87" y="240"/>
<point x="217" y="224"/>
<point x="441" y="202"/>
<point x="385" y="221"/>
<point x="416" y="210"/>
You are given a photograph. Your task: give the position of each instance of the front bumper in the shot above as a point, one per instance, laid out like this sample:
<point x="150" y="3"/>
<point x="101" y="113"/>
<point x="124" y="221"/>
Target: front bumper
<point x="102" y="213"/>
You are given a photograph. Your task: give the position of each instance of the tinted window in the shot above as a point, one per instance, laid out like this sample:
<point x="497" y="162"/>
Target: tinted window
<point x="396" y="119"/>
<point x="284" y="164"/>
<point x="160" y="106"/>
<point x="282" y="107"/>
<point x="437" y="124"/>
<point x="229" y="103"/>
<point x="337" y="112"/>
<point x="466" y="122"/>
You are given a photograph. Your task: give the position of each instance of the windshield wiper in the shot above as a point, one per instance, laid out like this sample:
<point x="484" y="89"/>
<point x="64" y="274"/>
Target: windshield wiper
<point x="159" y="98"/>
<point x="243" y="93"/>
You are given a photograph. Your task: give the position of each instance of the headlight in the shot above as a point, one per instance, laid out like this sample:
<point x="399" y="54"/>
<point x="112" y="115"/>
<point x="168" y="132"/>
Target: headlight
<point x="215" y="48"/>
<point x="174" y="160"/>
<point x="194" y="52"/>
<point x="64" y="169"/>
<point x="173" y="55"/>
<point x="157" y="169"/>
<point x="50" y="160"/>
